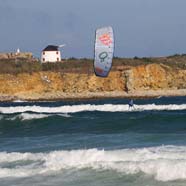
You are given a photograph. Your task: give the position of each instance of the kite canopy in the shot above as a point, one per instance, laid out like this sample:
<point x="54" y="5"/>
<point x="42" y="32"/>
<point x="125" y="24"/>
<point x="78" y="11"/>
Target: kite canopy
<point x="104" y="50"/>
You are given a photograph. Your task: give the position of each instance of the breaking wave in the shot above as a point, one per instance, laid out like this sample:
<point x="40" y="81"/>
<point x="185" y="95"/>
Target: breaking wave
<point x="89" y="107"/>
<point x="28" y="116"/>
<point x="165" y="163"/>
<point x="32" y="116"/>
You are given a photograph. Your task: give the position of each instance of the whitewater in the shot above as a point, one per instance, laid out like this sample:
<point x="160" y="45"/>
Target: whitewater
<point x="89" y="107"/>
<point x="151" y="161"/>
<point x="99" y="142"/>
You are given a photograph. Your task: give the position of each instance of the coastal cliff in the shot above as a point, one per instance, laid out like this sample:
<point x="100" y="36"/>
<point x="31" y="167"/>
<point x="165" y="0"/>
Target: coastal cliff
<point x="123" y="81"/>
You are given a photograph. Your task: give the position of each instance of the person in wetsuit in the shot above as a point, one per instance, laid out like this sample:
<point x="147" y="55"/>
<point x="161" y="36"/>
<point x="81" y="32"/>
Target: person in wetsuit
<point x="131" y="104"/>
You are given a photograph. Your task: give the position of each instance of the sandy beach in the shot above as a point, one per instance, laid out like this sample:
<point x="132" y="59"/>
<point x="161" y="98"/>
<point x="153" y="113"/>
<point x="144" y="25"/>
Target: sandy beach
<point x="92" y="95"/>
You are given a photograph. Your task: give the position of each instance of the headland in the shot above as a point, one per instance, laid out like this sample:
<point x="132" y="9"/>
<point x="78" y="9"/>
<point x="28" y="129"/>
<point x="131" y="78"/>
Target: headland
<point x="74" y="79"/>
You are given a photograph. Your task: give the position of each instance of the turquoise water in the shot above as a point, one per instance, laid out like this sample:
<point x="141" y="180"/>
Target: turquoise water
<point x="98" y="142"/>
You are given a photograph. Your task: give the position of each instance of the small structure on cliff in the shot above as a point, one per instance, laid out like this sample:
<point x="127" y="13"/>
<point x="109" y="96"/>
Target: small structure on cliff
<point x="17" y="55"/>
<point x="18" y="51"/>
<point x="51" y="54"/>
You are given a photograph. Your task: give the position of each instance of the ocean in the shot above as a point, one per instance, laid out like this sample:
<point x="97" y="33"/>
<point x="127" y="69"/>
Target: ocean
<point x="94" y="143"/>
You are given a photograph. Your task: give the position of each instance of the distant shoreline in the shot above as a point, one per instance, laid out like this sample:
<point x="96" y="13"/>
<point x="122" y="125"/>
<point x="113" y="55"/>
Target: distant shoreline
<point x="96" y="96"/>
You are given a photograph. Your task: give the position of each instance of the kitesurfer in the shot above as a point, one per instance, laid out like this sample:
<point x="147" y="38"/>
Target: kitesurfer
<point x="131" y="104"/>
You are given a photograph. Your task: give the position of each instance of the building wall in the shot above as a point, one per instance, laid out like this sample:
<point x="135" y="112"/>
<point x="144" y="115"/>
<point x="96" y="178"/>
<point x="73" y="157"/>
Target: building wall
<point x="50" y="56"/>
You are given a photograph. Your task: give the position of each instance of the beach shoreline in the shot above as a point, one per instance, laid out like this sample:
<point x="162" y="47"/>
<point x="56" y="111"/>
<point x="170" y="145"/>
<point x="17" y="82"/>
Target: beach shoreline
<point x="60" y="96"/>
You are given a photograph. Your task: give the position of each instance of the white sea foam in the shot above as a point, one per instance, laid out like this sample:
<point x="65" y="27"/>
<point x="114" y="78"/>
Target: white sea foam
<point x="33" y="116"/>
<point x="166" y="163"/>
<point x="28" y="116"/>
<point x="19" y="101"/>
<point x="89" y="107"/>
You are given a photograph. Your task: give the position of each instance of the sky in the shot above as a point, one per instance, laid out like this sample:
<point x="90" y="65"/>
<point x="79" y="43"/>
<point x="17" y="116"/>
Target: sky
<point x="143" y="28"/>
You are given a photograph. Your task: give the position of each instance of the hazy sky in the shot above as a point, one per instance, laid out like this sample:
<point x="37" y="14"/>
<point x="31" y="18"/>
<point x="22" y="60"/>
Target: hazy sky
<point x="142" y="27"/>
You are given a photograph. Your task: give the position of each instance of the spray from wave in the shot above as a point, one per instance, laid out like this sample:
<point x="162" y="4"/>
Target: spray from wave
<point x="166" y="163"/>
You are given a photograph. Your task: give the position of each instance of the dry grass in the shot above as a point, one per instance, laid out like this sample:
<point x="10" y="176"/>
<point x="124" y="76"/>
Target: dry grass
<point x="85" y="65"/>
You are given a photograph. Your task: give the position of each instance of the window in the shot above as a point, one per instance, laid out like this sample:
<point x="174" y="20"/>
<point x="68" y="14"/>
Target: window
<point x="57" y="53"/>
<point x="43" y="53"/>
<point x="43" y="59"/>
<point x="57" y="59"/>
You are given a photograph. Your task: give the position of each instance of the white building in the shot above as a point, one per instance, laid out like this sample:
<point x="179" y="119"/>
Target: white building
<point x="51" y="54"/>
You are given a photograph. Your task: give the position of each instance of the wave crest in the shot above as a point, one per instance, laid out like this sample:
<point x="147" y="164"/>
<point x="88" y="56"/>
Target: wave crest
<point x="89" y="107"/>
<point x="166" y="163"/>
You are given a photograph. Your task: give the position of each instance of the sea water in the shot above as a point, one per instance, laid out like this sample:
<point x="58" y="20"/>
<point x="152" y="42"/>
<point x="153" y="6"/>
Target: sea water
<point x="100" y="142"/>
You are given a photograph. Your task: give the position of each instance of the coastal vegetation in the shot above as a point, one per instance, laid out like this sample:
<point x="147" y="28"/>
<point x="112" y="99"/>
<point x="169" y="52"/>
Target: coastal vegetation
<point x="84" y="65"/>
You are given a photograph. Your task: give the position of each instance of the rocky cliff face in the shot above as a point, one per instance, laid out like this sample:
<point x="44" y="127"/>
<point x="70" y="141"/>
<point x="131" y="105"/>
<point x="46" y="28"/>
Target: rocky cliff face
<point x="156" y="77"/>
<point x="54" y="85"/>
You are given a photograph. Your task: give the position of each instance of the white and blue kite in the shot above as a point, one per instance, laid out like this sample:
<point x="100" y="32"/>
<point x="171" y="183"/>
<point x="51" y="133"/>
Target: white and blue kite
<point x="104" y="51"/>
